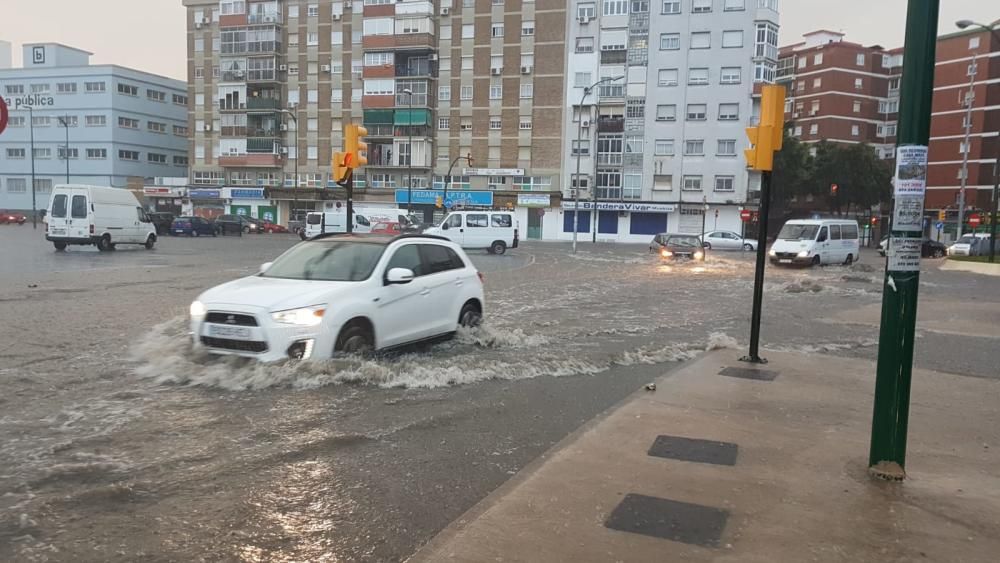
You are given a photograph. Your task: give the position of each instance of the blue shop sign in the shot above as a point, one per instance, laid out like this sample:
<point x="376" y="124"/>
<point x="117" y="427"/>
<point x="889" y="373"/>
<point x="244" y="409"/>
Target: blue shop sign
<point x="246" y="193"/>
<point x="204" y="194"/>
<point x="455" y="197"/>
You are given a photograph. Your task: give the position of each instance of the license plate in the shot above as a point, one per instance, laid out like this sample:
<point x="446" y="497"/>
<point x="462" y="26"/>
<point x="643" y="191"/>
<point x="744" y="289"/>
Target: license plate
<point x="222" y="331"/>
<point x="179" y="231"/>
<point x="59" y="231"/>
<point x="785" y="261"/>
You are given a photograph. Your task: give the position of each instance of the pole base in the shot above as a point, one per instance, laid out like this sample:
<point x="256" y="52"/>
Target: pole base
<point x="753" y="359"/>
<point x="887" y="471"/>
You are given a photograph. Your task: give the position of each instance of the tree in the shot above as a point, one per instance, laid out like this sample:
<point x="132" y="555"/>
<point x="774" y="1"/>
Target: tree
<point x="792" y="171"/>
<point x="862" y="178"/>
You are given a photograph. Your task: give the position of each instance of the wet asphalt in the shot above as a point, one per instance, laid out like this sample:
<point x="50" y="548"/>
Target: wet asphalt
<point x="118" y="444"/>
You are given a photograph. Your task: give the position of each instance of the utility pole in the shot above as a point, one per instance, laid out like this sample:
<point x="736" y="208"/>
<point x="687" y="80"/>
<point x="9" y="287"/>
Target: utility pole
<point x="34" y="202"/>
<point x="295" y="182"/>
<point x="64" y="121"/>
<point x="968" y="148"/>
<point x="409" y="183"/>
<point x="887" y="455"/>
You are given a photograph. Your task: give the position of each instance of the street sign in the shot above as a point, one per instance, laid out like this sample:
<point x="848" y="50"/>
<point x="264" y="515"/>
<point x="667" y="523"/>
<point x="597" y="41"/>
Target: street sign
<point x="974" y="220"/>
<point x="448" y="204"/>
<point x="746" y="215"/>
<point x="939" y="225"/>
<point x="3" y="115"/>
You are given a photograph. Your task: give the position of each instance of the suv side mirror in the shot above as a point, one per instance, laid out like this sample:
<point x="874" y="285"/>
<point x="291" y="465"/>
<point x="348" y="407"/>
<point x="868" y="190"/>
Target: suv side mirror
<point x="397" y="276"/>
<point x="445" y="226"/>
<point x="265" y="266"/>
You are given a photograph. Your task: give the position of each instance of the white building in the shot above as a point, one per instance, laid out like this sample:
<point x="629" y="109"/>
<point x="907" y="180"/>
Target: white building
<point x="663" y="139"/>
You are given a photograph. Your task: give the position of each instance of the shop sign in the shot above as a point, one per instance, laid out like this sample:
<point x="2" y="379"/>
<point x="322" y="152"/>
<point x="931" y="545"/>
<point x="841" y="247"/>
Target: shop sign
<point x="534" y="200"/>
<point x="161" y="191"/>
<point x="493" y="171"/>
<point x="621" y="206"/>
<point x="205" y="194"/>
<point x="455" y="197"/>
<point x="244" y="193"/>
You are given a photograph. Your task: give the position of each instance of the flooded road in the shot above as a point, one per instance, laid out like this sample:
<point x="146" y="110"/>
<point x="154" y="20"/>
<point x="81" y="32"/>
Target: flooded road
<point x="120" y="444"/>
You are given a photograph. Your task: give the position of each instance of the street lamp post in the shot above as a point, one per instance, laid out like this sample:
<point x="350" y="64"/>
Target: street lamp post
<point x="295" y="181"/>
<point x="468" y="159"/>
<point x="409" y="165"/>
<point x="579" y="139"/>
<point x="34" y="204"/>
<point x="994" y="29"/>
<point x="64" y="121"/>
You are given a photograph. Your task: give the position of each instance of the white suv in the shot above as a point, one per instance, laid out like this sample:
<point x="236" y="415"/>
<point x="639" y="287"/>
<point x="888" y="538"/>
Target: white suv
<point x="339" y="294"/>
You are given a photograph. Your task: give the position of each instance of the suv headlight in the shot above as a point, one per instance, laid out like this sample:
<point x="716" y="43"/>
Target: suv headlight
<point x="772" y="253"/>
<point x="304" y="316"/>
<point x="804" y="254"/>
<point x="197" y="310"/>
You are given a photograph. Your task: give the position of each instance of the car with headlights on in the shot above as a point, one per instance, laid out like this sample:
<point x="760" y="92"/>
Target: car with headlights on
<point x="680" y="247"/>
<point x="340" y="294"/>
<point x="12" y="218"/>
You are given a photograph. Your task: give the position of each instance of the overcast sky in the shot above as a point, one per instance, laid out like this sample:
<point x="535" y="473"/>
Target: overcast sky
<point x="149" y="34"/>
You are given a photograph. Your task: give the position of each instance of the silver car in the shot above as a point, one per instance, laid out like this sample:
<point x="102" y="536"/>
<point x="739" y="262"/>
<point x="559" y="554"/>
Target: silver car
<point x="728" y="240"/>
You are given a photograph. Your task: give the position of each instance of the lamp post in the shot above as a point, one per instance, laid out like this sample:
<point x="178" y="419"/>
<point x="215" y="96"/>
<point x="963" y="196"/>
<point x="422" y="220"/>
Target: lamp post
<point x="994" y="29"/>
<point x="409" y="164"/>
<point x="468" y="159"/>
<point x="704" y="214"/>
<point x="579" y="136"/>
<point x="64" y="121"/>
<point x="295" y="181"/>
<point x="34" y="204"/>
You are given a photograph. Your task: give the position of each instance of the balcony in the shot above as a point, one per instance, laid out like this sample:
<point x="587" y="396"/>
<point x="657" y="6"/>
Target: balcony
<point x="262" y="75"/>
<point x="423" y="41"/>
<point x="252" y="160"/>
<point x="261" y="143"/>
<point x="264" y="18"/>
<point x="611" y="125"/>
<point x="234" y="131"/>
<point x="380" y="130"/>
<point x="259" y="103"/>
<point x="426" y="70"/>
<point x="609" y="92"/>
<point x="263" y="133"/>
<point x="419" y="100"/>
<point x="615" y="57"/>
<point x="609" y="159"/>
<point x="234" y="75"/>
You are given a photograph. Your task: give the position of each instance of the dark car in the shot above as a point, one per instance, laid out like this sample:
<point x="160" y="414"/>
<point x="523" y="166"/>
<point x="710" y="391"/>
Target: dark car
<point x="928" y="249"/>
<point x="161" y="220"/>
<point x="192" y="227"/>
<point x="674" y="247"/>
<point x="13" y="218"/>
<point x="237" y="224"/>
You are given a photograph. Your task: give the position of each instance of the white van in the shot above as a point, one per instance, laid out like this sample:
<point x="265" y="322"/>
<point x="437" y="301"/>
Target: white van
<point x="98" y="215"/>
<point x="334" y="222"/>
<point x="816" y="241"/>
<point x="496" y="231"/>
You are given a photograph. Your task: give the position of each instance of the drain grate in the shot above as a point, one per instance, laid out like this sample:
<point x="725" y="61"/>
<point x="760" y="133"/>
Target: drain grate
<point x="693" y="449"/>
<point x="669" y="519"/>
<point x="749" y="373"/>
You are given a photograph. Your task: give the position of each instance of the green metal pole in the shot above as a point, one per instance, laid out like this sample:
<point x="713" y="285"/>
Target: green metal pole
<point x="887" y="457"/>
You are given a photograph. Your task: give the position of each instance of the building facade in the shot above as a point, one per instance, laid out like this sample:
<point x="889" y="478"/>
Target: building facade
<point x="966" y="60"/>
<point x="121" y="124"/>
<point x="272" y="84"/>
<point x="841" y="92"/>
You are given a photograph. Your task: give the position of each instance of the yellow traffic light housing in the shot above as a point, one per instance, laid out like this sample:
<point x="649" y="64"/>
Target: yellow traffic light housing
<point x="767" y="136"/>
<point x="341" y="166"/>
<point x="354" y="146"/>
<point x="942" y="214"/>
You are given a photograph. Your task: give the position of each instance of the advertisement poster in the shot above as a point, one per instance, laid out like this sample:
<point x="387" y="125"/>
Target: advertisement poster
<point x="904" y="254"/>
<point x="910" y="185"/>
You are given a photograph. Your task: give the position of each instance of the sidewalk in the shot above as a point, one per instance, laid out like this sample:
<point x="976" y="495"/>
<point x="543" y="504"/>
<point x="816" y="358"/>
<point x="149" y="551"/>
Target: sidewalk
<point x="778" y="473"/>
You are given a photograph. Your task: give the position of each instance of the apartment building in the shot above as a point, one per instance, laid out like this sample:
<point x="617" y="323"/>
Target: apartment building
<point x="840" y="91"/>
<point x="966" y="59"/>
<point x="122" y="125"/>
<point x="658" y="143"/>
<point x="273" y="82"/>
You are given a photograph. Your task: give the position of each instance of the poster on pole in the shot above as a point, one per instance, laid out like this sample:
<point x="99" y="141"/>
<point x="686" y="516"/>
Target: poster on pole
<point x="910" y="185"/>
<point x="904" y="254"/>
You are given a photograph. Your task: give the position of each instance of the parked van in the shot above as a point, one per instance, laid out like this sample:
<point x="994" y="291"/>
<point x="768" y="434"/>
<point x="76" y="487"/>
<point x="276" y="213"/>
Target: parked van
<point x="98" y="215"/>
<point x="496" y="231"/>
<point x="816" y="241"/>
<point x="334" y="222"/>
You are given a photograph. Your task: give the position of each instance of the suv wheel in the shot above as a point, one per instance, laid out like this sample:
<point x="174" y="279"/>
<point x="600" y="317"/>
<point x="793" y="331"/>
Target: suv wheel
<point x="355" y="339"/>
<point x="150" y="242"/>
<point x="470" y="316"/>
<point x="104" y="243"/>
<point x="498" y="247"/>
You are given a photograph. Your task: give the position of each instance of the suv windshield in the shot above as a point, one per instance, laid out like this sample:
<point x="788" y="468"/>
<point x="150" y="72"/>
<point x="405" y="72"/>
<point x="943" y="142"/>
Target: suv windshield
<point x="327" y="260"/>
<point x="967" y="239"/>
<point x="798" y="232"/>
<point x="684" y="241"/>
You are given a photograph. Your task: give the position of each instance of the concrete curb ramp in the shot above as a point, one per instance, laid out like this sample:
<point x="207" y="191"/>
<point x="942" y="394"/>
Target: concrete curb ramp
<point x="983" y="268"/>
<point x="745" y="467"/>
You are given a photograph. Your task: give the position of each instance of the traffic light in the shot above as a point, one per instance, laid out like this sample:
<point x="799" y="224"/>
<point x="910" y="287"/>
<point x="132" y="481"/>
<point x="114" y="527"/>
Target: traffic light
<point x="874" y="221"/>
<point x="438" y="202"/>
<point x="942" y="214"/>
<point x="833" y="189"/>
<point x="341" y="166"/>
<point x="766" y="137"/>
<point x="354" y="146"/>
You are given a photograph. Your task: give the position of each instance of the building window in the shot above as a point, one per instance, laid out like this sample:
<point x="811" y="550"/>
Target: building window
<point x="97" y="154"/>
<point x="698" y="76"/>
<point x="180" y="130"/>
<point x="156" y="127"/>
<point x="527" y="28"/>
<point x="16" y="153"/>
<point x="496" y="90"/>
<point x="663" y="182"/>
<point x="582" y="79"/>
<point x="444" y="123"/>
<point x="468" y="31"/>
<point x="974" y="42"/>
<point x="66" y="88"/>
<point x="128" y="123"/>
<point x="199" y="100"/>
<point x="766" y="41"/>
<point x="729" y="112"/>
<point x="40" y="121"/>
<point x="293" y="10"/>
<point x="584" y="44"/>
<point x="814" y="107"/>
<point x="671" y="7"/>
<point x="495" y="123"/>
<point x="312" y="10"/>
<point x="666" y="112"/>
<point x="527" y="91"/>
<point x="814" y="129"/>
<point x="727" y="147"/>
<point x="732" y="39"/>
<point x="701" y="6"/>
<point x="128" y="89"/>
<point x="466" y="93"/>
<point x="667" y="77"/>
<point x="155" y="158"/>
<point x="614" y="7"/>
<point x="609" y="184"/>
<point x="128" y="155"/>
<point x="817" y="83"/>
<point x="701" y="40"/>
<point x="496" y="30"/>
<point x="818" y="59"/>
<point x="663" y="147"/>
<point x="444" y="93"/>
<point x="632" y="186"/>
<point x="857" y="106"/>
<point x="312" y="38"/>
<point x="95" y="120"/>
<point x="670" y="41"/>
<point x="43" y="186"/>
<point x="581" y="148"/>
<point x="724" y="183"/>
<point x="180" y="99"/>
<point x="636" y="110"/>
<point x="18" y="89"/>
<point x="694" y="147"/>
<point x="692" y="183"/>
<point x="860" y="60"/>
<point x="855" y="130"/>
<point x="734" y="5"/>
<point x="199" y="72"/>
<point x="17" y="186"/>
<point x="524" y="124"/>
<point x="859" y="83"/>
<point x="697" y="112"/>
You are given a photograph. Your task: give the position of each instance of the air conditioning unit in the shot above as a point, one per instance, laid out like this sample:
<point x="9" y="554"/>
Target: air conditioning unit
<point x="283" y="68"/>
<point x="336" y="17"/>
<point x="240" y="74"/>
<point x="526" y="70"/>
<point x="325" y="68"/>
<point x="205" y="21"/>
<point x="496" y="71"/>
<point x="270" y="19"/>
<point x="284" y="127"/>
<point x="348" y="5"/>
<point x="284" y="150"/>
<point x="197" y="25"/>
<point x="584" y="19"/>
<point x="795" y="115"/>
<point x="433" y="57"/>
<point x="208" y="127"/>
<point x="445" y="11"/>
<point x="585" y="123"/>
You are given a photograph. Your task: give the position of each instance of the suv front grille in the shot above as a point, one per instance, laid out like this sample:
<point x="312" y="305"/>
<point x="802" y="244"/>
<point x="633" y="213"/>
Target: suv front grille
<point x="237" y="345"/>
<point x="785" y="254"/>
<point x="235" y="319"/>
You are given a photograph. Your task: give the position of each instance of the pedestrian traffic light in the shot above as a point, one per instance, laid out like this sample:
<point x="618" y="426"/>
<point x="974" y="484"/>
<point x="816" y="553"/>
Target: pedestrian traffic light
<point x="833" y="189"/>
<point x="766" y="137"/>
<point x="354" y="146"/>
<point x="341" y="166"/>
<point x="874" y="221"/>
<point x="942" y="214"/>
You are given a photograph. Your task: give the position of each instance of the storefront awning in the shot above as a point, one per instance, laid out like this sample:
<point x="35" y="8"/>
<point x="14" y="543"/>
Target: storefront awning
<point x="378" y="116"/>
<point x="412" y="117"/>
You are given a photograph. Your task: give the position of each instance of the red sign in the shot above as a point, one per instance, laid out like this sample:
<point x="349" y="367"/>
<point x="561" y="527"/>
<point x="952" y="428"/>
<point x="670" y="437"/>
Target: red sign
<point x="974" y="220"/>
<point x="3" y="115"/>
<point x="746" y="215"/>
